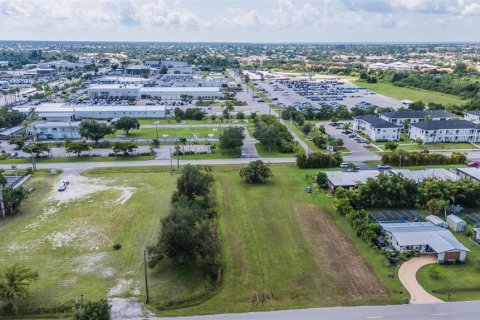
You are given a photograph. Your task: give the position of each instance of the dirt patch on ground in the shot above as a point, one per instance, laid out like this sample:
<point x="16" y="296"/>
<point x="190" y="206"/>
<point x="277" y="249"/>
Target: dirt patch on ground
<point x="334" y="250"/>
<point x="80" y="187"/>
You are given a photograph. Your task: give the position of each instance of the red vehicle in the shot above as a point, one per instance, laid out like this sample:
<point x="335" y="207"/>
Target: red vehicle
<point x="473" y="164"/>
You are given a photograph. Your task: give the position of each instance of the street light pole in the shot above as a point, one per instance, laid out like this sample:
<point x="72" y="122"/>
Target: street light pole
<point x="146" y="277"/>
<point x="171" y="161"/>
<point x="156" y="128"/>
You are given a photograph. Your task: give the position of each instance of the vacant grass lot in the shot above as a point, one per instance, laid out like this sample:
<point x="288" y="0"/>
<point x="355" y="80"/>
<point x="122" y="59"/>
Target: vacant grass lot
<point x="413" y="94"/>
<point x="279" y="244"/>
<point x="151" y="133"/>
<point x="460" y="281"/>
<point x="288" y="246"/>
<point x="272" y="153"/>
<point x="69" y="243"/>
<point x="207" y="120"/>
<point x="77" y="159"/>
<point x="432" y="146"/>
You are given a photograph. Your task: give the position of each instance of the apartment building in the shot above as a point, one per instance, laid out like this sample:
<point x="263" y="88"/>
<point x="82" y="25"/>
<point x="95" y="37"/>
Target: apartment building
<point x="377" y="129"/>
<point x="445" y="131"/>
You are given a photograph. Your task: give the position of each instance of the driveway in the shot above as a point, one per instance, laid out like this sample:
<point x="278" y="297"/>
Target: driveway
<point x="407" y="273"/>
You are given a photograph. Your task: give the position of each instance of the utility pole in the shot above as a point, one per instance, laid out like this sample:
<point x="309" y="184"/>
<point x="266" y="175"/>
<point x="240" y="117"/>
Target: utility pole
<point x="146" y="277"/>
<point x="171" y="161"/>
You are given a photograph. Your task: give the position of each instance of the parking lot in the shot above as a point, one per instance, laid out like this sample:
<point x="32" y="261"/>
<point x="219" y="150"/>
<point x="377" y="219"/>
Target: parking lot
<point x="334" y="92"/>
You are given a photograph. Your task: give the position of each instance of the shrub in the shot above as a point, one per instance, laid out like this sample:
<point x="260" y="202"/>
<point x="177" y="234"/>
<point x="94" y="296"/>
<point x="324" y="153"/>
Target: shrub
<point x="98" y="310"/>
<point x="319" y="160"/>
<point x="434" y="272"/>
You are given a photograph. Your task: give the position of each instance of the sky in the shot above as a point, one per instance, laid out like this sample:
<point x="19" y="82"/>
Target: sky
<point x="241" y="20"/>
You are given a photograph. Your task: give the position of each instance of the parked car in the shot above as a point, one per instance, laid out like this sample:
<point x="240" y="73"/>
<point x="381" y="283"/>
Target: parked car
<point x="473" y="164"/>
<point x="425" y="151"/>
<point x="62" y="187"/>
<point x="383" y="167"/>
<point x="344" y="165"/>
<point x="393" y="258"/>
<point x="379" y="242"/>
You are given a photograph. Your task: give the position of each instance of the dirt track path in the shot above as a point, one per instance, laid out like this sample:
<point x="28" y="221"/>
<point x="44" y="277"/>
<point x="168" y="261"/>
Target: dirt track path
<point x="407" y="273"/>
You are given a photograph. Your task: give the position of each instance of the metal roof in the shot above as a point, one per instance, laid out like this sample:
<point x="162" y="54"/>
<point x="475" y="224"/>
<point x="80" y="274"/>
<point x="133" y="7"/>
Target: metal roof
<point x="376" y="122"/>
<point x="405" y="114"/>
<point x="420" y="175"/>
<point x="470" y="171"/>
<point x="423" y="233"/>
<point x="445" y="124"/>
<point x="349" y="179"/>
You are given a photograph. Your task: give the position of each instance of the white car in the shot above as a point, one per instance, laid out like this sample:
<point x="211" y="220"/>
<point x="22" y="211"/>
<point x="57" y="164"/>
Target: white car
<point x="62" y="187"/>
<point x="344" y="165"/>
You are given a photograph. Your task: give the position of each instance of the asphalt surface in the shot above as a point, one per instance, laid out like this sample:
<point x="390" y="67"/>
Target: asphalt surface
<point x="444" y="311"/>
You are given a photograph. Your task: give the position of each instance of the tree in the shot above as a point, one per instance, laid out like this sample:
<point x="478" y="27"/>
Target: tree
<point x="77" y="147"/>
<point x="94" y="310"/>
<point x="321" y="179"/>
<point x="434" y="206"/>
<point x="37" y="148"/>
<point x="256" y="172"/>
<point x="306" y="128"/>
<point x="124" y="147"/>
<point x="12" y="199"/>
<point x="240" y="115"/>
<point x="18" y="141"/>
<point x="391" y="146"/>
<point x="343" y="206"/>
<point x="232" y="138"/>
<point x="346" y="126"/>
<point x="14" y="282"/>
<point x="193" y="183"/>
<point x="126" y="124"/>
<point x="94" y="130"/>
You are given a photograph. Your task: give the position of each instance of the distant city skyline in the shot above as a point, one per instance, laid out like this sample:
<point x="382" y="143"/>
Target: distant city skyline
<point x="241" y="21"/>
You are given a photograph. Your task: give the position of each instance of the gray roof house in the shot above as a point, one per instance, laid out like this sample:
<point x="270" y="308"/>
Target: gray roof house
<point x="413" y="116"/>
<point x="426" y="238"/>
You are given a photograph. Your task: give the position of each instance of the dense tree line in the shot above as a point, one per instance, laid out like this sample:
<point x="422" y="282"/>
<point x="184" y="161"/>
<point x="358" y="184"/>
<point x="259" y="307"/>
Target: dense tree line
<point x="188" y="233"/>
<point x="272" y="133"/>
<point x="319" y="160"/>
<point x="394" y="191"/>
<point x="415" y="158"/>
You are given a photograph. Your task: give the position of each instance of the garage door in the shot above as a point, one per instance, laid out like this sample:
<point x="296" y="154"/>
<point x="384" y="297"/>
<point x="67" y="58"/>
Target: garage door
<point x="452" y="256"/>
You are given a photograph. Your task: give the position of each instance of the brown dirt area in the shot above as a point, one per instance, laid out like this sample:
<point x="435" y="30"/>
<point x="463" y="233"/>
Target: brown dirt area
<point x="333" y="250"/>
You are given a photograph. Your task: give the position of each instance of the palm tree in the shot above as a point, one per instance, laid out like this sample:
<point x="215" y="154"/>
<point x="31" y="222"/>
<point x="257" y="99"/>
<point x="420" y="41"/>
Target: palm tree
<point x="346" y="126"/>
<point x="183" y="142"/>
<point x="3" y="183"/>
<point x="14" y="282"/>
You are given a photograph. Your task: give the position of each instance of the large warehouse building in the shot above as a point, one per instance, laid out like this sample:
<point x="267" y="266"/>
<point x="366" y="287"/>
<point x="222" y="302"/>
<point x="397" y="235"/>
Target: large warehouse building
<point x="140" y="92"/>
<point x="65" y="112"/>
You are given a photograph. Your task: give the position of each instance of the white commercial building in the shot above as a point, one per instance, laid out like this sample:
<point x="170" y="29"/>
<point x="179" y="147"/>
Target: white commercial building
<point x="140" y="92"/>
<point x="445" y="131"/>
<point x="426" y="238"/>
<point x="126" y="80"/>
<point x="65" y="112"/>
<point x="377" y="129"/>
<point x="56" y="130"/>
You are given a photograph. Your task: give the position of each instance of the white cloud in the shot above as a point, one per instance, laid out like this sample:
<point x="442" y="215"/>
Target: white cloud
<point x="472" y="9"/>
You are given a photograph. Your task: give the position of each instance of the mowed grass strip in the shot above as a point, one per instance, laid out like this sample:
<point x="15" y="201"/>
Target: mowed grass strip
<point x="413" y="94"/>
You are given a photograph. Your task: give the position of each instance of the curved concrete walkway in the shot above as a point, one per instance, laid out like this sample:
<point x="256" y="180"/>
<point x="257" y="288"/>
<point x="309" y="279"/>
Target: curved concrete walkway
<point x="407" y="273"/>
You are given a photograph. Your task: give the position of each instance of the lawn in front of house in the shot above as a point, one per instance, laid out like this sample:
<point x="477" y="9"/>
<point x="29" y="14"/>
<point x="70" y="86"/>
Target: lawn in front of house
<point x="461" y="281"/>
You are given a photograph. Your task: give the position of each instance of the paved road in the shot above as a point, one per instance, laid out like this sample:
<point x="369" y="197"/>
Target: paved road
<point x="407" y="275"/>
<point x="444" y="311"/>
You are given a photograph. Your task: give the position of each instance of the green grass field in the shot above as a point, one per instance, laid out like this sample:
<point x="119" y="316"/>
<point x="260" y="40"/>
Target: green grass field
<point x="293" y="252"/>
<point x="413" y="94"/>
<point x="151" y="133"/>
<point x="70" y="243"/>
<point x="77" y="159"/>
<point x="207" y="120"/>
<point x="432" y="146"/>
<point x="272" y="153"/>
<point x="460" y="281"/>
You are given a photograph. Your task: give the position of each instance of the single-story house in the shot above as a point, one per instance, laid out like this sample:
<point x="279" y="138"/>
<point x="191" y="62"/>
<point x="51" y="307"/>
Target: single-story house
<point x="420" y="175"/>
<point x="349" y="180"/>
<point x="456" y="223"/>
<point x="476" y="235"/>
<point x="437" y="221"/>
<point x="426" y="238"/>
